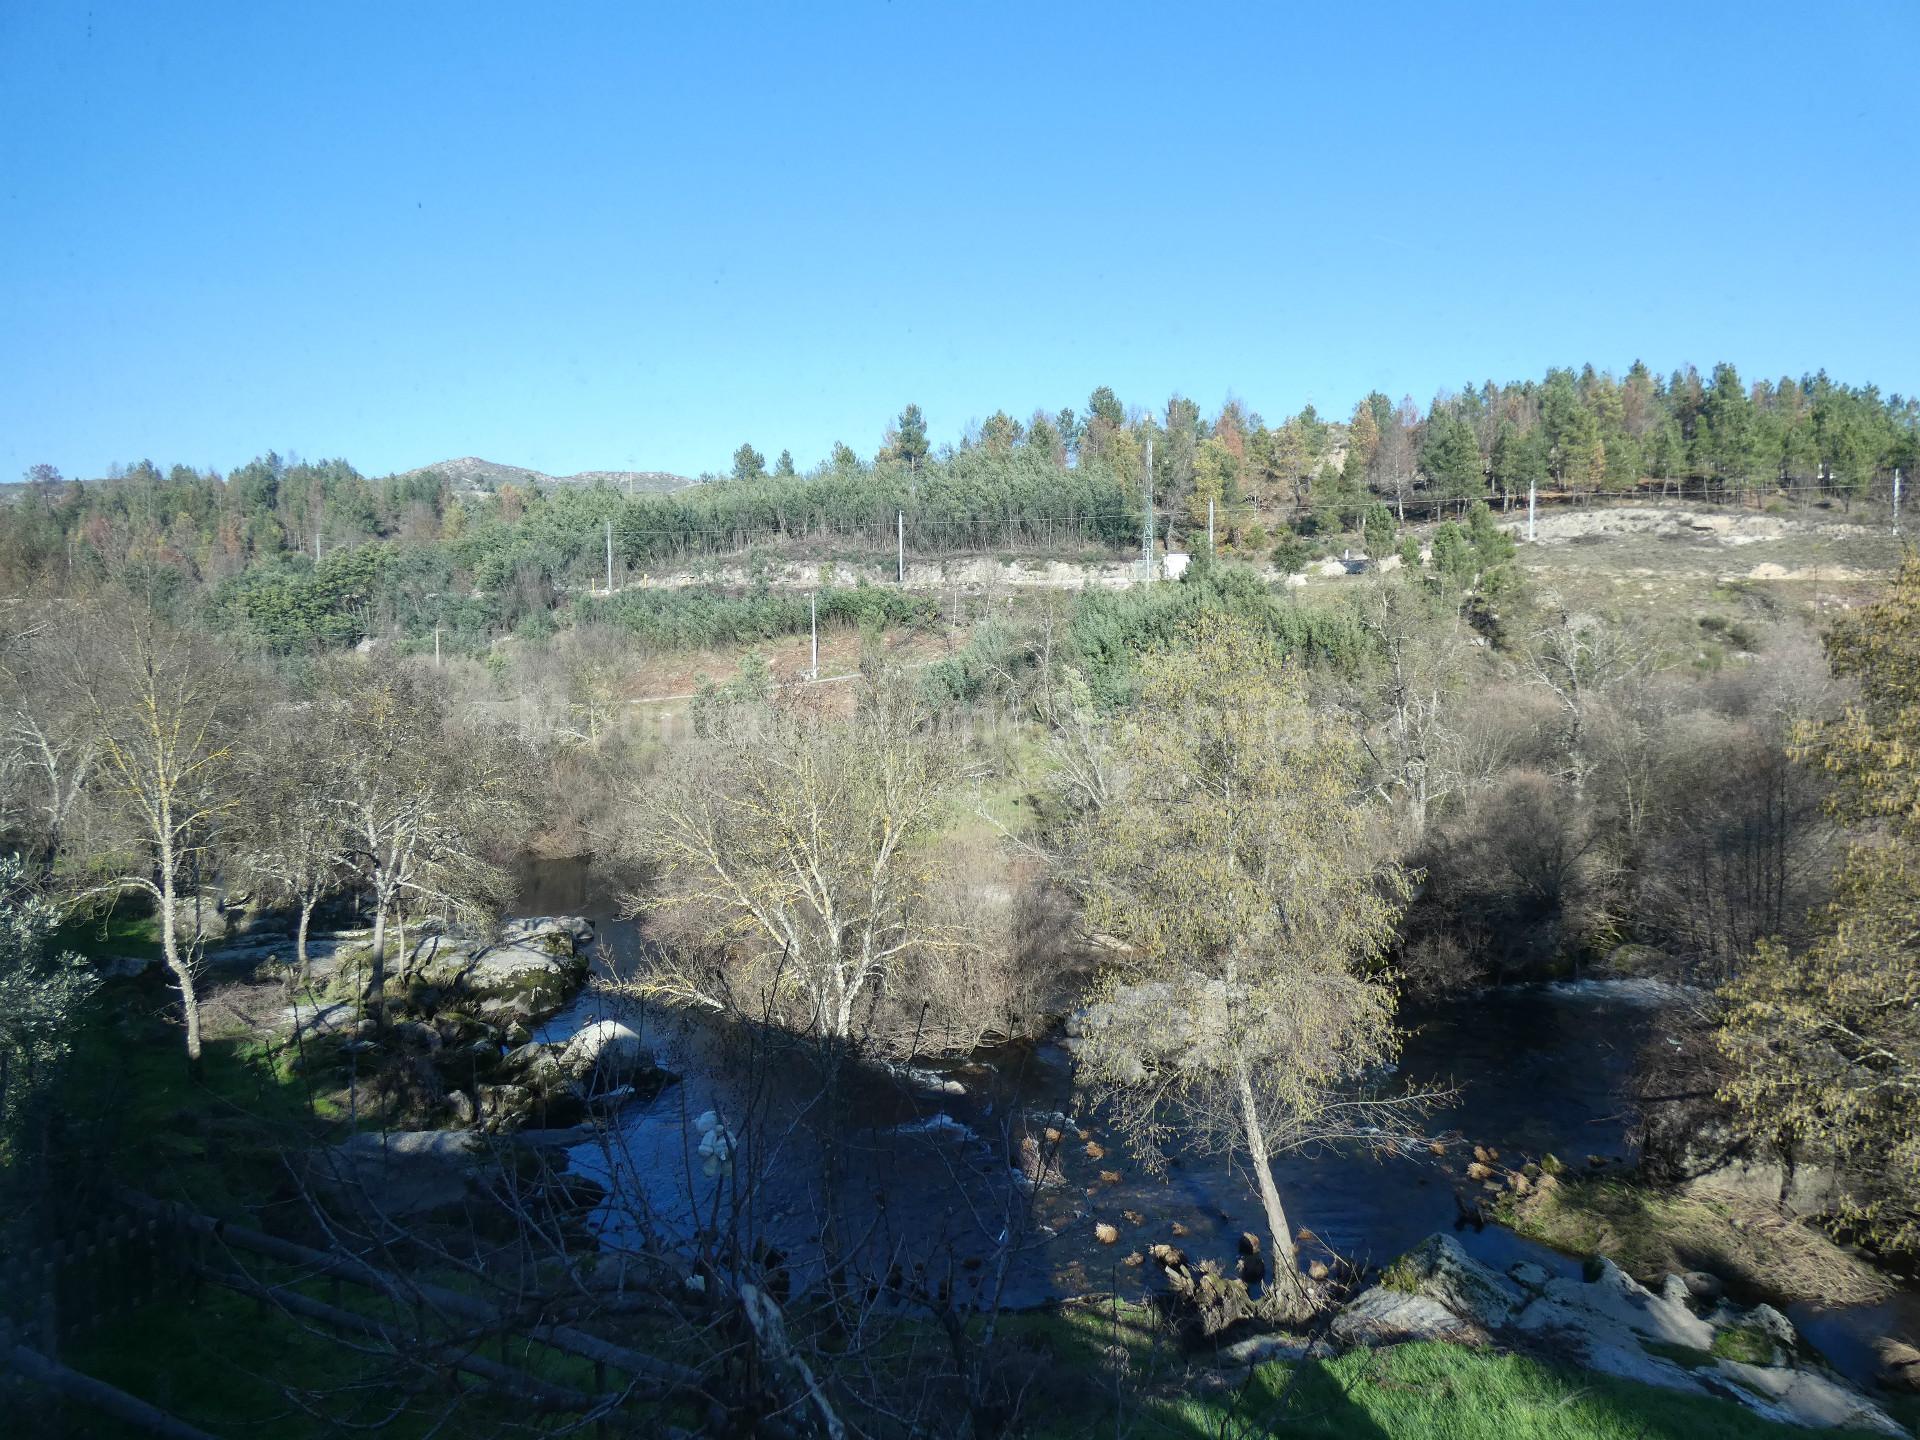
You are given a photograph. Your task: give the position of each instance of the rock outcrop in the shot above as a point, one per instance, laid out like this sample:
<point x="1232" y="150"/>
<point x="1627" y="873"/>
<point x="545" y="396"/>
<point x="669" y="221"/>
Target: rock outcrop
<point x="604" y="1054"/>
<point x="528" y="975"/>
<point x="1612" y="1324"/>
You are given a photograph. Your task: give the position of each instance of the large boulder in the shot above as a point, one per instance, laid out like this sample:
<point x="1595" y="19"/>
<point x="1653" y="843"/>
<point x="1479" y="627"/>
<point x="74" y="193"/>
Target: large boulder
<point x="604" y="1054"/>
<point x="400" y="1173"/>
<point x="1384" y="1316"/>
<point x="1613" y="1306"/>
<point x="535" y="968"/>
<point x="1803" y="1396"/>
<point x="1436" y="1291"/>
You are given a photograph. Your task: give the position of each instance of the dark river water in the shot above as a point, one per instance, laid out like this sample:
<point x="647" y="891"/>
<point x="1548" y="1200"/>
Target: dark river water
<point x="925" y="1157"/>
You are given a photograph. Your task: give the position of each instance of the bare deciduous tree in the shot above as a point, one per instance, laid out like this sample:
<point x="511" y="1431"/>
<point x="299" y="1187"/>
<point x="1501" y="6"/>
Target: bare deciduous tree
<point x="793" y="844"/>
<point x="1577" y="657"/>
<point x="1405" y="700"/>
<point x="1235" y="869"/>
<point x="419" y="805"/>
<point x="47" y="748"/>
<point x="291" y="836"/>
<point x="159" y="706"/>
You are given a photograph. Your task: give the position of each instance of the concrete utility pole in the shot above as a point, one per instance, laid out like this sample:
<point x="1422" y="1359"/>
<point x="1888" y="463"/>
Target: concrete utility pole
<point x="1531" y="498"/>
<point x="1209" y="527"/>
<point x="436" y="647"/>
<point x="1896" y="500"/>
<point x="609" y="557"/>
<point x="813" y="620"/>
<point x="900" y="540"/>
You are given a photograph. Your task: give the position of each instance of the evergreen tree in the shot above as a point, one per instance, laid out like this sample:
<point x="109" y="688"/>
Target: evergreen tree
<point x="1451" y="457"/>
<point x="748" y="463"/>
<point x="1378" y="531"/>
<point x="1728" y="429"/>
<point x="910" y="438"/>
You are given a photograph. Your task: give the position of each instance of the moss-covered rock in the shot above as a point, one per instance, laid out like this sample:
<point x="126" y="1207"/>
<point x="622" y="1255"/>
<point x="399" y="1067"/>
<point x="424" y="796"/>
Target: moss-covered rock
<point x="535" y="969"/>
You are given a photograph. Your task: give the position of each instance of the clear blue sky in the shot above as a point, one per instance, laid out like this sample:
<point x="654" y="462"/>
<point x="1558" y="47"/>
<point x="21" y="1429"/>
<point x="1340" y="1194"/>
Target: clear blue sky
<point x="607" y="236"/>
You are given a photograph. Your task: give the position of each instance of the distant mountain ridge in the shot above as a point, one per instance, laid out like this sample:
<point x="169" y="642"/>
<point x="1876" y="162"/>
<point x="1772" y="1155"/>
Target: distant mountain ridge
<point x="471" y="473"/>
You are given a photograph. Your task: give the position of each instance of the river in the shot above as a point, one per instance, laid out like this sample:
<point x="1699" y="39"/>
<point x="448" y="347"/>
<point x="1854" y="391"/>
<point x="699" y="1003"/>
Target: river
<point x="925" y="1157"/>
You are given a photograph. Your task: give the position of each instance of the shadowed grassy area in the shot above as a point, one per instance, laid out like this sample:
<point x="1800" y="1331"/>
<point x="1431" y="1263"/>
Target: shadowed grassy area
<point x="109" y="934"/>
<point x="1448" y="1390"/>
<point x="1095" y="1365"/>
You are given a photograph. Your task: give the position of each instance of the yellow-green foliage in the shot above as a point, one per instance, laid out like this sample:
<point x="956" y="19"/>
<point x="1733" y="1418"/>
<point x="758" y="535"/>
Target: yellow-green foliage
<point x="1653" y="1233"/>
<point x="1825" y="1043"/>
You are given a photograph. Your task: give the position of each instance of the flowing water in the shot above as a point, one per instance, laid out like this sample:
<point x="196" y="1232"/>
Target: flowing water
<point x="926" y="1157"/>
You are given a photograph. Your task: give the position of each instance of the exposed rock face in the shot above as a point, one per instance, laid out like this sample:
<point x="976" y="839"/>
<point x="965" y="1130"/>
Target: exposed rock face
<point x="1436" y="1291"/>
<point x="1611" y="1324"/>
<point x="604" y="1054"/>
<point x="1803" y="1396"/>
<point x="1383" y="1316"/>
<point x="1614" y="1310"/>
<point x="553" y="1085"/>
<point x="401" y="1173"/>
<point x="537" y="966"/>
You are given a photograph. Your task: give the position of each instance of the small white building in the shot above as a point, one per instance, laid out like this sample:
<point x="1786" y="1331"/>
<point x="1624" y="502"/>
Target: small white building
<point x="1174" y="564"/>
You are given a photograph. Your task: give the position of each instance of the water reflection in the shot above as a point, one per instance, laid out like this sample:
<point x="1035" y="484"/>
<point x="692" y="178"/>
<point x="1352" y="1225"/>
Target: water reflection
<point x="929" y="1173"/>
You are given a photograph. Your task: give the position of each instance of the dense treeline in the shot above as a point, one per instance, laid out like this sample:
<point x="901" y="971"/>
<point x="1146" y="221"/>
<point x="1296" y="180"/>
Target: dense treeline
<point x="297" y="556"/>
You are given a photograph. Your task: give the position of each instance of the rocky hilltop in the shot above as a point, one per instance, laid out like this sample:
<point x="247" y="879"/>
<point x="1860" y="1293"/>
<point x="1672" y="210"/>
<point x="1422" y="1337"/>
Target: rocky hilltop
<point x="471" y="474"/>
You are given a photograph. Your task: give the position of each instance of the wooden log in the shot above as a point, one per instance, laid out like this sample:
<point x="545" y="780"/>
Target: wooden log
<point x="101" y="1396"/>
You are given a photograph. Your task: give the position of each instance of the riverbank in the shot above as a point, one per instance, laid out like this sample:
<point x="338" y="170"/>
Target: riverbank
<point x="1758" y="1249"/>
<point x="220" y="1141"/>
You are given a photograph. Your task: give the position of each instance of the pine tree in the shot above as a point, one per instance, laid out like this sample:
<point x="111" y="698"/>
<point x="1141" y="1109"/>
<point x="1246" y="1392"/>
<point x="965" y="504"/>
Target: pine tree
<point x="910" y="438"/>
<point x="748" y="463"/>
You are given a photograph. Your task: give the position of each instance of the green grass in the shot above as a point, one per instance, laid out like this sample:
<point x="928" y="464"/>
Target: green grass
<point x="1091" y="1361"/>
<point x="110" y="935"/>
<point x="1448" y="1390"/>
<point x="1748" y="1344"/>
<point x="215" y="1140"/>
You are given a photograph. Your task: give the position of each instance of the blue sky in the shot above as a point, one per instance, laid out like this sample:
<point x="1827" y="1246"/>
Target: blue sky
<point x="609" y="236"/>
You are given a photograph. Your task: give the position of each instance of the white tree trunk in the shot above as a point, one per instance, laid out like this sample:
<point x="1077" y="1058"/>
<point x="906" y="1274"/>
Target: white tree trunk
<point x="177" y="965"/>
<point x="300" y="938"/>
<point x="1284" y="1287"/>
<point x="376" y="991"/>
